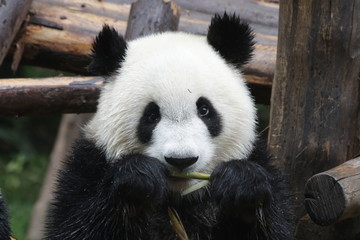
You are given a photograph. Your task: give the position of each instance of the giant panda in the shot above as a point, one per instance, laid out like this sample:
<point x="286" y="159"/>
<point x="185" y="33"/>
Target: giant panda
<point x="4" y="220"/>
<point x="172" y="102"/>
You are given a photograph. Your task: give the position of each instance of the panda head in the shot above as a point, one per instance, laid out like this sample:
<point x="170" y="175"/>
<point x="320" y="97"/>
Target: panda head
<point x="176" y="97"/>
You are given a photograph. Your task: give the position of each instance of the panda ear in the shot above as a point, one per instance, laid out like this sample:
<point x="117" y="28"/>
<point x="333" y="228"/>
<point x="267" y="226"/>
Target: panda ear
<point x="232" y="38"/>
<point x="108" y="52"/>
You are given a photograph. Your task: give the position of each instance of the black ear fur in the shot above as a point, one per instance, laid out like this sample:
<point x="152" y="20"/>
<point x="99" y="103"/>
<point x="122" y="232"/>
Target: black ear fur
<point x="232" y="38"/>
<point x="108" y="51"/>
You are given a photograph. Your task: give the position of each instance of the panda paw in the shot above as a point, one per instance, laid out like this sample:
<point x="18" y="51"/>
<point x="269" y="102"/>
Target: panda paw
<point x="240" y="185"/>
<point x="139" y="180"/>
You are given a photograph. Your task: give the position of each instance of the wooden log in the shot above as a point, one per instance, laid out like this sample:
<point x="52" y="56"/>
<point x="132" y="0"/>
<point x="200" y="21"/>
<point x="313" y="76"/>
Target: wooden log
<point x="314" y="118"/>
<point x="22" y="96"/>
<point x="334" y="195"/>
<point x="263" y="16"/>
<point x="12" y="15"/>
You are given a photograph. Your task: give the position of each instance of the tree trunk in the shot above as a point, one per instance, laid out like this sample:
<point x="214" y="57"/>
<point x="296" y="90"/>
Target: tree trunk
<point x="314" y="118"/>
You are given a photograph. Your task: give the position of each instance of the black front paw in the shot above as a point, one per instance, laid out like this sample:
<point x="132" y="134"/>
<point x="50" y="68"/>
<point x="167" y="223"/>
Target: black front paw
<point x="240" y="185"/>
<point x="139" y="180"/>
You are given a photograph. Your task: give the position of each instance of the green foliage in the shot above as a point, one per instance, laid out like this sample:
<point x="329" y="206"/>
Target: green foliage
<point x="21" y="180"/>
<point x="25" y="144"/>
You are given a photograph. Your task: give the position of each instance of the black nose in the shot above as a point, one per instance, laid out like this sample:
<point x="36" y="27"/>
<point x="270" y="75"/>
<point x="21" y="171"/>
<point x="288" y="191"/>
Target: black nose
<point x="181" y="163"/>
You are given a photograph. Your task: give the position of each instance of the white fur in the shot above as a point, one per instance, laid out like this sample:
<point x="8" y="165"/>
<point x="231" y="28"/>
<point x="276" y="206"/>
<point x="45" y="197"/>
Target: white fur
<point x="174" y="70"/>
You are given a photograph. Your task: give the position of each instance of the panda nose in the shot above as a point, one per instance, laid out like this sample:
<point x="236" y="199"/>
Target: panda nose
<point x="181" y="163"/>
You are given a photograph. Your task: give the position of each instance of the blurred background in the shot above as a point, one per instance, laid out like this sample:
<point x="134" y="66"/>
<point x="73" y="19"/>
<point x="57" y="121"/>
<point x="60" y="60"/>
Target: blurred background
<point x="25" y="146"/>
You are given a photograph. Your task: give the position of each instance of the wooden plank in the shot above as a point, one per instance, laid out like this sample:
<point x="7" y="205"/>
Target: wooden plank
<point x="334" y="195"/>
<point x="314" y="119"/>
<point x="12" y="15"/>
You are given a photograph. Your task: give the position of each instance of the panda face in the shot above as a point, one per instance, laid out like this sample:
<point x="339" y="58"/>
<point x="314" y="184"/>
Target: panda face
<point x="181" y="139"/>
<point x="176" y="99"/>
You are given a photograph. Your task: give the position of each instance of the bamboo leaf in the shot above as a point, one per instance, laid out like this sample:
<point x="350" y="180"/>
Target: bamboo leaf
<point x="177" y="224"/>
<point x="195" y="187"/>
<point x="193" y="175"/>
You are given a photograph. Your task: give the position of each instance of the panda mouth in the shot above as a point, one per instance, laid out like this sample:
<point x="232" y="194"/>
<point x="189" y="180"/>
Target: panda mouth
<point x="189" y="175"/>
<point x="198" y="180"/>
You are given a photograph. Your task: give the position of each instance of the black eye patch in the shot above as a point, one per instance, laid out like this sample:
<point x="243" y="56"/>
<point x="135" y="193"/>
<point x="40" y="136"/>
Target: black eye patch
<point x="209" y="116"/>
<point x="150" y="118"/>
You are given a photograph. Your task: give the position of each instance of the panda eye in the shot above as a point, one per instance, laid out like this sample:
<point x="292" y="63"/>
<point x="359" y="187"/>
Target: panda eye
<point x="152" y="118"/>
<point x="203" y="111"/>
<point x="208" y="114"/>
<point x="148" y="121"/>
<point x="151" y="114"/>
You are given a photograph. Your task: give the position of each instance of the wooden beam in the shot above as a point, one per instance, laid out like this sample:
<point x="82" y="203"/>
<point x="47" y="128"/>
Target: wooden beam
<point x="12" y="15"/>
<point x="20" y="96"/>
<point x="23" y="96"/>
<point x="314" y="117"/>
<point x="334" y="195"/>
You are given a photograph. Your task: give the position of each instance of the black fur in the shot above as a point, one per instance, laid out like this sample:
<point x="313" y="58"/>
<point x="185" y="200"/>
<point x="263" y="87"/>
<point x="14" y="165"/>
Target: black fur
<point x="211" y="119"/>
<point x="253" y="199"/>
<point x="232" y="38"/>
<point x="129" y="199"/>
<point x="108" y="52"/>
<point x="100" y="200"/>
<point x="4" y="221"/>
<point x="150" y="118"/>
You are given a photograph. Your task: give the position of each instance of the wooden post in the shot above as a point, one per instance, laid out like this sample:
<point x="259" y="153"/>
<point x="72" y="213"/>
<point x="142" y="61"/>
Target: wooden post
<point x="314" y="117"/>
<point x="159" y="16"/>
<point x="334" y="195"/>
<point x="62" y="146"/>
<point x="69" y="131"/>
<point x="12" y="15"/>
